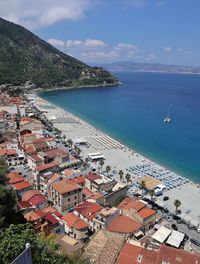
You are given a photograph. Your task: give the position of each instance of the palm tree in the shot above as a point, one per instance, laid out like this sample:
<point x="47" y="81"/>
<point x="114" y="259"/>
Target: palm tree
<point x="151" y="193"/>
<point x="177" y="204"/>
<point x="101" y="163"/>
<point x="70" y="143"/>
<point x="128" y="176"/>
<point x="108" y="169"/>
<point x="121" y="173"/>
<point x="142" y="186"/>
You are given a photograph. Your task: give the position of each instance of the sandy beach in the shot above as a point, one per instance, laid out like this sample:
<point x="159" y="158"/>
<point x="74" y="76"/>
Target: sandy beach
<point x="120" y="157"/>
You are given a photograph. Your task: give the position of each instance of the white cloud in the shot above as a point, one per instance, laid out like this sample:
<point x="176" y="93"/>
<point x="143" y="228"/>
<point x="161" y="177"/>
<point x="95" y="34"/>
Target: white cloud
<point x="93" y="43"/>
<point x="38" y="13"/>
<point x="179" y="49"/>
<point x="167" y="49"/>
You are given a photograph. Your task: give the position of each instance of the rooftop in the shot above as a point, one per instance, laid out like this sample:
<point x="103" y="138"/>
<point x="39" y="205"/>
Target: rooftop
<point x="65" y="186"/>
<point x="146" y="212"/>
<point x="104" y="247"/>
<point x="29" y="194"/>
<point x="124" y="224"/>
<point x="14" y="177"/>
<point x="74" y="221"/>
<point x="21" y="185"/>
<point x="88" y="209"/>
<point x="131" y="203"/>
<point x="47" y="166"/>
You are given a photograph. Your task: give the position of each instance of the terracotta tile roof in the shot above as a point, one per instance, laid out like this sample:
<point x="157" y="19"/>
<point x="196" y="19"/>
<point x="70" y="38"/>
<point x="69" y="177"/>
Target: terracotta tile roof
<point x="14" y="177"/>
<point x="29" y="150"/>
<point x="6" y="152"/>
<point x="176" y="256"/>
<point x="123" y="224"/>
<point x="74" y="221"/>
<point x="65" y="186"/>
<point x="88" y="209"/>
<point x="36" y="157"/>
<point x="96" y="196"/>
<point x="93" y="176"/>
<point x="37" y="200"/>
<point x="23" y="205"/>
<point x="78" y="180"/>
<point x="52" y="153"/>
<point x="146" y="212"/>
<point x="131" y="254"/>
<point x="47" y="166"/>
<point x="68" y="172"/>
<point x="87" y="192"/>
<point x="33" y="216"/>
<point x="21" y="185"/>
<point x="51" y="218"/>
<point x="131" y="203"/>
<point x="54" y="177"/>
<point x="29" y="194"/>
<point x="49" y="209"/>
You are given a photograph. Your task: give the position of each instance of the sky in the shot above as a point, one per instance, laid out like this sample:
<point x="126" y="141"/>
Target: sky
<point x="101" y="31"/>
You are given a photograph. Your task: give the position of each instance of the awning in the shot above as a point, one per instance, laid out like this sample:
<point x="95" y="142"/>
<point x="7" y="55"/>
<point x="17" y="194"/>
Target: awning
<point x="175" y="239"/>
<point x="161" y="234"/>
<point x="138" y="234"/>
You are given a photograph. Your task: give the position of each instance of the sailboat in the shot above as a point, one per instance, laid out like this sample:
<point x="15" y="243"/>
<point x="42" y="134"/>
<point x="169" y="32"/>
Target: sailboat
<point x="167" y="119"/>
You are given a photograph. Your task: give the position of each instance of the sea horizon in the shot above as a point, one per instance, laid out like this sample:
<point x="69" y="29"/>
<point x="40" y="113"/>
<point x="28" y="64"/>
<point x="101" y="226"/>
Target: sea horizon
<point x="140" y="104"/>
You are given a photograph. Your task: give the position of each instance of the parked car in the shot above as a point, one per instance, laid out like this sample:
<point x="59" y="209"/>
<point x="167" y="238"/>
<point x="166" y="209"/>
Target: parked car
<point x="181" y="221"/>
<point x="169" y="219"/>
<point x="174" y="227"/>
<point x="165" y="198"/>
<point x="198" y="229"/>
<point x="192" y="227"/>
<point x="195" y="242"/>
<point x="176" y="217"/>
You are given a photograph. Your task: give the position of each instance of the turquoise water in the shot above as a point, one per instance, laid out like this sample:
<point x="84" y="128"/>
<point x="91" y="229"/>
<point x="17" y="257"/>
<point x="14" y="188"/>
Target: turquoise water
<point x="133" y="113"/>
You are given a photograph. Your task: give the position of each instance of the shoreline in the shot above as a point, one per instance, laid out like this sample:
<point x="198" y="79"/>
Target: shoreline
<point x="120" y="157"/>
<point x="55" y="88"/>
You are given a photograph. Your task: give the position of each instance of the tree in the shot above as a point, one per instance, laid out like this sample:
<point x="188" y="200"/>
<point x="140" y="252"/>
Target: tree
<point x="3" y="171"/>
<point x="121" y="173"/>
<point x="128" y="177"/>
<point x="8" y="214"/>
<point x="70" y="142"/>
<point x="108" y="169"/>
<point x="101" y="163"/>
<point x="151" y="193"/>
<point x="142" y="186"/>
<point x="177" y="204"/>
<point x="44" y="251"/>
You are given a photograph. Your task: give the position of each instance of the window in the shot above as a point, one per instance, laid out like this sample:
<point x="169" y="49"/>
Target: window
<point x="75" y="197"/>
<point x="68" y="199"/>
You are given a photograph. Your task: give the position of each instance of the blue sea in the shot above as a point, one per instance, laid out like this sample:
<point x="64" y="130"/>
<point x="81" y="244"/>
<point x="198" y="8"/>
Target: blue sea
<point x="133" y="113"/>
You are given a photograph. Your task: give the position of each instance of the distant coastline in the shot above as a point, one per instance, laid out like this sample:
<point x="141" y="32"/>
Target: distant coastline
<point x="57" y="88"/>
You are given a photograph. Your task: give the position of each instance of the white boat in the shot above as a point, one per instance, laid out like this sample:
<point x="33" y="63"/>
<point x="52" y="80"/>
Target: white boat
<point x="167" y="119"/>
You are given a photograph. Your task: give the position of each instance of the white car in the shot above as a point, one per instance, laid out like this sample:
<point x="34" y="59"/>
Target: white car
<point x="198" y="229"/>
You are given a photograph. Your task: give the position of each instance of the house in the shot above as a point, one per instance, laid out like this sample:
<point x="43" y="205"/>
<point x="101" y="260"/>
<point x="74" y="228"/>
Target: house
<point x="75" y="226"/>
<point x="43" y="173"/>
<point x="25" y="207"/>
<point x="13" y="157"/>
<point x="131" y="254"/>
<point x="87" y="211"/>
<point x="104" y="247"/>
<point x="14" y="177"/>
<point x="22" y="187"/>
<point x="96" y="197"/>
<point x="33" y="160"/>
<point x="65" y="194"/>
<point x="78" y="180"/>
<point x="137" y="210"/>
<point x="124" y="225"/>
<point x="105" y="217"/>
<point x="29" y="194"/>
<point x="39" y="201"/>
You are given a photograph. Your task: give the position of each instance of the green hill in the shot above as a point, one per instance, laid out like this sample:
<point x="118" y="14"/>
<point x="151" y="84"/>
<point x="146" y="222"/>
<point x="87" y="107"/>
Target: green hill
<point x="26" y="57"/>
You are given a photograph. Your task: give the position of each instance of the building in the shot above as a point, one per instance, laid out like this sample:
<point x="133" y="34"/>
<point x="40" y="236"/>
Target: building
<point x="105" y="217"/>
<point x="104" y="247"/>
<point x="138" y="211"/>
<point x="75" y="227"/>
<point x="124" y="225"/>
<point x="87" y="211"/>
<point x="22" y="187"/>
<point x="65" y="194"/>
